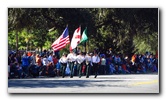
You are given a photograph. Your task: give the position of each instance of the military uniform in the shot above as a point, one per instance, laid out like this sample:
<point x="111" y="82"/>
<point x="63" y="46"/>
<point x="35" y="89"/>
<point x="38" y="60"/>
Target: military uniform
<point x="80" y="59"/>
<point x="63" y="61"/>
<point x="88" y="61"/>
<point x="71" y="57"/>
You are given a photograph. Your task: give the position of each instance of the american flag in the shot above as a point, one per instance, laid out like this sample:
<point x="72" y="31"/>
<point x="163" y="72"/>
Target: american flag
<point x="62" y="41"/>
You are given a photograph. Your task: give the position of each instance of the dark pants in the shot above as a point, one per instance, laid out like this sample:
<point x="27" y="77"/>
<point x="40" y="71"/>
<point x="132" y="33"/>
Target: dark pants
<point x="19" y="73"/>
<point x="107" y="69"/>
<point x="79" y="66"/>
<point x="63" y="69"/>
<point x="102" y="69"/>
<point x="95" y="69"/>
<point x="71" y="66"/>
<point x="26" y="70"/>
<point x="88" y="70"/>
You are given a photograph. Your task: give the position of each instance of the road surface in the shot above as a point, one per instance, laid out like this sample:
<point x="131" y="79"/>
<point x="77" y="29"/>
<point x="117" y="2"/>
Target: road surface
<point x="138" y="83"/>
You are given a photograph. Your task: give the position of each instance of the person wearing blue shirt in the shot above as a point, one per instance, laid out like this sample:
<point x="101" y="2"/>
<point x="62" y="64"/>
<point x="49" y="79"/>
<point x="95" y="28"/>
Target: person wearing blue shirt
<point x="25" y="63"/>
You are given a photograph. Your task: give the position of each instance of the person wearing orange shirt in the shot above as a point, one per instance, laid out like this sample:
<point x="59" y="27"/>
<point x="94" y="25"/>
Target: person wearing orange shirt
<point x="38" y="61"/>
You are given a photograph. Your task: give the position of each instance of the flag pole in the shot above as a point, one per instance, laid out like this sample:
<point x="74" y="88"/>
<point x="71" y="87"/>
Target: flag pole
<point x="85" y="41"/>
<point x="85" y="47"/>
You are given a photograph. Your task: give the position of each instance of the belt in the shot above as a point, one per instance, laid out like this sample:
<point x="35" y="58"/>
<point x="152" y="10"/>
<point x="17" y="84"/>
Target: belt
<point x="71" y="61"/>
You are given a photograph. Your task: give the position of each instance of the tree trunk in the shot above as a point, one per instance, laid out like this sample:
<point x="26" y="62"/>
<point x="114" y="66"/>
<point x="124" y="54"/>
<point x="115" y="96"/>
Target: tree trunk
<point x="41" y="48"/>
<point x="16" y="41"/>
<point x="132" y="33"/>
<point x="27" y="48"/>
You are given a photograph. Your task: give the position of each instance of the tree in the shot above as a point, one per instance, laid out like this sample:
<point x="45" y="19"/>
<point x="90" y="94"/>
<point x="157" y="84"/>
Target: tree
<point x="125" y="30"/>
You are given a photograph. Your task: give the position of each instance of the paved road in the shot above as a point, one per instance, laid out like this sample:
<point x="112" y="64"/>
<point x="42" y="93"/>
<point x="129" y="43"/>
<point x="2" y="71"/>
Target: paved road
<point x="139" y="83"/>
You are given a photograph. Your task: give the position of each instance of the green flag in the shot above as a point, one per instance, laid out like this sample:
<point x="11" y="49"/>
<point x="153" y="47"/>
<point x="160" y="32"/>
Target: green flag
<point x="84" y="37"/>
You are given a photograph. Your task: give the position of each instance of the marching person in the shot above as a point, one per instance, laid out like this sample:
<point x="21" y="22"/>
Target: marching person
<point x="71" y="57"/>
<point x="95" y="61"/>
<point x="80" y="59"/>
<point x="63" y="61"/>
<point x="88" y="60"/>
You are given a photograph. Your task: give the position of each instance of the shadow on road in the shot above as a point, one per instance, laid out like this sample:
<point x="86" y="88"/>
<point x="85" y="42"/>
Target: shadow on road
<point x="60" y="83"/>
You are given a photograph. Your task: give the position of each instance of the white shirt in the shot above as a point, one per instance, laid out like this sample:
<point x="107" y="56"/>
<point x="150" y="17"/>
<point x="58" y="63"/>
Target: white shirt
<point x="33" y="60"/>
<point x="50" y="58"/>
<point x="88" y="58"/>
<point x="80" y="59"/>
<point x="95" y="59"/>
<point x="45" y="61"/>
<point x="71" y="57"/>
<point x="63" y="60"/>
<point x="103" y="61"/>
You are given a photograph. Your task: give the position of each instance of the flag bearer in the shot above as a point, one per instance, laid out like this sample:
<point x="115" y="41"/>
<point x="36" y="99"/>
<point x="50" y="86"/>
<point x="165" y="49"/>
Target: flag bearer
<point x="80" y="59"/>
<point x="71" y="57"/>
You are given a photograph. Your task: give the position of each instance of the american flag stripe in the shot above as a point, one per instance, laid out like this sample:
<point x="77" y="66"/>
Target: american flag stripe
<point x="59" y="45"/>
<point x="61" y="42"/>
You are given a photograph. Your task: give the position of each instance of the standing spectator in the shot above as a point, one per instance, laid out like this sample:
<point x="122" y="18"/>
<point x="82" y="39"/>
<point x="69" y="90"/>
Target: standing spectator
<point x="149" y="65"/>
<point x="18" y="56"/>
<point x="112" y="68"/>
<point x="154" y="68"/>
<point x="103" y="65"/>
<point x="50" y="58"/>
<point x="45" y="60"/>
<point x="33" y="58"/>
<point x="55" y="60"/>
<point x="38" y="61"/>
<point x="117" y="60"/>
<point x="56" y="64"/>
<point x="45" y="63"/>
<point x="25" y="64"/>
<point x="143" y="67"/>
<point x="19" y="70"/>
<point x="108" y="62"/>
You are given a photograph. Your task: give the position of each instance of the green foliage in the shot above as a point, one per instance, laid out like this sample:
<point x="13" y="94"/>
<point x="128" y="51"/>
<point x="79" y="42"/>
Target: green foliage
<point x="124" y="30"/>
<point x="148" y="43"/>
